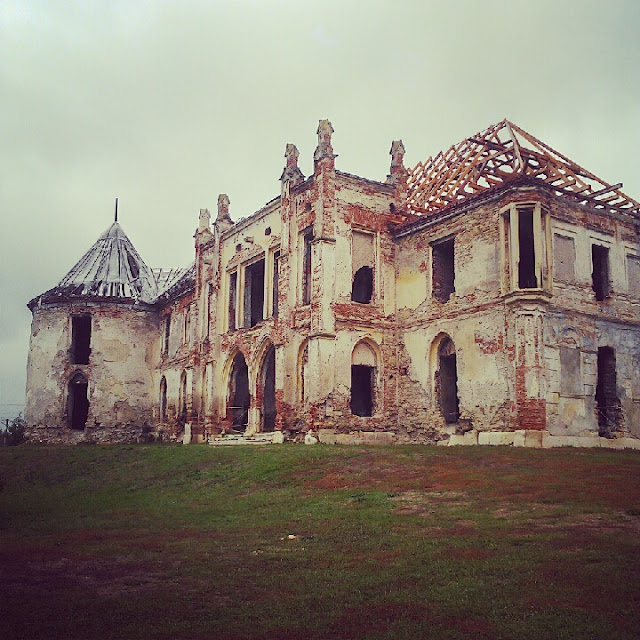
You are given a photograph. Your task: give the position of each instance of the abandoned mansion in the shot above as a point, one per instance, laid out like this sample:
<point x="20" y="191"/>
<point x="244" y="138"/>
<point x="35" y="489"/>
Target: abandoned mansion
<point x="488" y="295"/>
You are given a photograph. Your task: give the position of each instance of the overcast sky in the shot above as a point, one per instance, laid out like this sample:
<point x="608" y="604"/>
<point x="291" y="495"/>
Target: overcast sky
<point x="167" y="104"/>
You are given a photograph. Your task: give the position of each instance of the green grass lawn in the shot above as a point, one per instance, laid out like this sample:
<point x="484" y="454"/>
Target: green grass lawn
<point x="287" y="542"/>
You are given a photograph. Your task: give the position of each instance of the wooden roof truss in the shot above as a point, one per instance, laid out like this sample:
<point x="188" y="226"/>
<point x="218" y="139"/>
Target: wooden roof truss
<point x="501" y="154"/>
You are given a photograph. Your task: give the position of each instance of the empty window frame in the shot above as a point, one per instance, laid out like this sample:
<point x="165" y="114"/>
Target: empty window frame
<point x="362" y="265"/>
<point x="443" y="277"/>
<point x="307" y="239"/>
<point x="80" y="339"/>
<point x="525" y="258"/>
<point x="254" y="293"/>
<point x="233" y="294"/>
<point x="600" y="277"/>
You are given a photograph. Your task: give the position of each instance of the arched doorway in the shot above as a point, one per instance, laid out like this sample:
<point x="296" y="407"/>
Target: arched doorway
<point x="239" y="396"/>
<point x="78" y="401"/>
<point x="163" y="399"/>
<point x="447" y="380"/>
<point x="267" y="384"/>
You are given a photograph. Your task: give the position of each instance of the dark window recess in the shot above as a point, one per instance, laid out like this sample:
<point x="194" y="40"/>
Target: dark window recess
<point x="607" y="402"/>
<point x="233" y="286"/>
<point x="80" y="339"/>
<point x="78" y="402"/>
<point x="166" y="334"/>
<point x="447" y="382"/>
<point x="254" y="294"/>
<point x="443" y="271"/>
<point x="163" y="399"/>
<point x="362" y="288"/>
<point x="276" y="271"/>
<point x="527" y="264"/>
<point x="600" y="275"/>
<point x="306" y="267"/>
<point x="361" y="390"/>
<point x="239" y="396"/>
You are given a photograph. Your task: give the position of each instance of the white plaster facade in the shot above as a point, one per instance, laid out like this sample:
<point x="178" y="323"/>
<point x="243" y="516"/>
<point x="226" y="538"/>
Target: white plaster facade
<point x="340" y="308"/>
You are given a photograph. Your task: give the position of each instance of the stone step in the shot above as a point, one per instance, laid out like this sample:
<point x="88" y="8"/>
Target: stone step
<point x="238" y="438"/>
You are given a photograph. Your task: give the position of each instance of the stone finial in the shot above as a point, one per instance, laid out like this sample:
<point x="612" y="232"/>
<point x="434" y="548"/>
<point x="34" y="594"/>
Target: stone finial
<point x="204" y="220"/>
<point x="324" y="148"/>
<point x="291" y="172"/>
<point x="397" y="153"/>
<point x="223" y="208"/>
<point x="398" y="173"/>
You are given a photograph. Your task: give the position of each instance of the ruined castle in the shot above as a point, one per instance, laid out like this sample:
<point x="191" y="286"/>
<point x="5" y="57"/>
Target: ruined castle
<point x="488" y="295"/>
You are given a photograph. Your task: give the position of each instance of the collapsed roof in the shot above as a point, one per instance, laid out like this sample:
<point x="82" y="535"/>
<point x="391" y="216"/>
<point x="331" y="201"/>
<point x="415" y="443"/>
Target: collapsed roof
<point x="111" y="268"/>
<point x="501" y="154"/>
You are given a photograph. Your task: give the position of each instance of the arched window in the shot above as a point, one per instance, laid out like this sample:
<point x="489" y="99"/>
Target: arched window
<point x="163" y="399"/>
<point x="363" y="380"/>
<point x="78" y="401"/>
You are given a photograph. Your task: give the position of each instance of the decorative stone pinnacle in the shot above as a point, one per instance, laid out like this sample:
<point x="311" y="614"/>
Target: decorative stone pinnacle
<point x="223" y="208"/>
<point x="397" y="153"/>
<point x="324" y="148"/>
<point x="205" y="220"/>
<point x="291" y="172"/>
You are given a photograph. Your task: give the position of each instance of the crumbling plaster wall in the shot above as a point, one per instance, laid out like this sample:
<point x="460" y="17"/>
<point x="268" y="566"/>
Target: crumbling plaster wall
<point x="473" y="317"/>
<point x="120" y="390"/>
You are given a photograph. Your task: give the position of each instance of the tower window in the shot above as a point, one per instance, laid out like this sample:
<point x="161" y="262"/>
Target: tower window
<point x="80" y="339"/>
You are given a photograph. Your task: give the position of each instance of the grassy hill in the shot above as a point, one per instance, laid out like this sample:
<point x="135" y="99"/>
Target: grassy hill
<point x="287" y="542"/>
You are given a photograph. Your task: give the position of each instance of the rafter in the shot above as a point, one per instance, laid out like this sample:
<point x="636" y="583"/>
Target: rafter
<point x="498" y="155"/>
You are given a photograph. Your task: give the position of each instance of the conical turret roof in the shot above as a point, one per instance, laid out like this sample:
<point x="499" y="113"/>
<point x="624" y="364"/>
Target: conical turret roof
<point x="111" y="268"/>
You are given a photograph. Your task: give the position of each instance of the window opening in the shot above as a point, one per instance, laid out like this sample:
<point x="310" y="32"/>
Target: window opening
<point x="239" y="398"/>
<point x="607" y="402"/>
<point x="80" y="339"/>
<point x="362" y="289"/>
<point x="447" y="381"/>
<point x="276" y="271"/>
<point x="362" y="261"/>
<point x="268" y="383"/>
<point x="306" y="266"/>
<point x="163" y="399"/>
<point x="166" y="334"/>
<point x="187" y="326"/>
<point x="443" y="271"/>
<point x="254" y="294"/>
<point x="361" y="390"/>
<point x="233" y="287"/>
<point x="209" y="294"/>
<point x="527" y="265"/>
<point x="600" y="274"/>
<point x="78" y="402"/>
